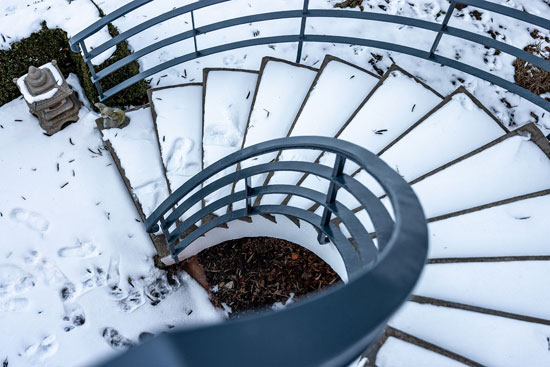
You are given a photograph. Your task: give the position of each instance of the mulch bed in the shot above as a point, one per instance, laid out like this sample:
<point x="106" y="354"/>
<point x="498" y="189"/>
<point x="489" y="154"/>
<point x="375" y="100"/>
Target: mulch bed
<point x="532" y="77"/>
<point x="256" y="272"/>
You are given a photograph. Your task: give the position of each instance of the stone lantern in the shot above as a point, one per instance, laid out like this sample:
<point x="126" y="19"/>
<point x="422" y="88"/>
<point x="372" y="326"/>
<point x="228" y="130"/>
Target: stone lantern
<point x="49" y="97"/>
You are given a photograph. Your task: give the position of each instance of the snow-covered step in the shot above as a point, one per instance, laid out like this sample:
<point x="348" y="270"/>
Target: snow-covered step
<point x="516" y="287"/>
<point x="457" y="126"/>
<point x="227" y="98"/>
<point x="177" y="113"/>
<point x="282" y="88"/>
<point x="516" y="164"/>
<point x="517" y="228"/>
<point x="338" y="90"/>
<point x="136" y="152"/>
<point x="398" y="101"/>
<point x="398" y="353"/>
<point x="494" y="172"/>
<point x="487" y="339"/>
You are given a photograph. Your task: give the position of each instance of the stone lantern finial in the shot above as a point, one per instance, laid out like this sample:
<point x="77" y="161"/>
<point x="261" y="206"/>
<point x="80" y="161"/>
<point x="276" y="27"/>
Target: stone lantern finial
<point x="39" y="81"/>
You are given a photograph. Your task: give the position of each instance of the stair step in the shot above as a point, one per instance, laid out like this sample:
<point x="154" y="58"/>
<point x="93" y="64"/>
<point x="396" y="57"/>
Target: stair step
<point x="376" y="123"/>
<point x="136" y="149"/>
<point x="455" y="127"/>
<point x="487" y="339"/>
<point x="282" y="87"/>
<point x="177" y="114"/>
<point x="510" y="286"/>
<point x="336" y="93"/>
<point x="486" y="175"/>
<point x="519" y="228"/>
<point x="495" y="172"/>
<point x="398" y="353"/>
<point x="227" y="98"/>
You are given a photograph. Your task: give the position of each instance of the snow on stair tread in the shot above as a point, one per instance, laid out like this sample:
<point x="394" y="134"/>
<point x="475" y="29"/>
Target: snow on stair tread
<point x="487" y="339"/>
<point x="497" y="173"/>
<point x="515" y="229"/>
<point x="179" y="118"/>
<point x="281" y="91"/>
<point x="137" y="148"/>
<point x="399" y="353"/>
<point x="280" y="94"/>
<point x="227" y="100"/>
<point x="493" y="174"/>
<point x="511" y="286"/>
<point x="377" y="123"/>
<point x="455" y="129"/>
<point x="336" y="94"/>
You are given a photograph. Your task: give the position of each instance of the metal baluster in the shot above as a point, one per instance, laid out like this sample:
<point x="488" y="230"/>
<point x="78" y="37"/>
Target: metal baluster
<point x="92" y="70"/>
<point x="302" y="30"/>
<point x="443" y="28"/>
<point x="197" y="53"/>
<point x="337" y="171"/>
<point x="248" y="200"/>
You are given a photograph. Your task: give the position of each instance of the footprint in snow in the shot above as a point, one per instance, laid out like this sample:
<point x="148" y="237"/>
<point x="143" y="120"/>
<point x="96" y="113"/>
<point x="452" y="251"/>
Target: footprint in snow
<point x="116" y="340"/>
<point x="31" y="219"/>
<point x="53" y="276"/>
<point x="81" y="250"/>
<point x="39" y="351"/>
<point x="14" y="280"/>
<point x="16" y="304"/>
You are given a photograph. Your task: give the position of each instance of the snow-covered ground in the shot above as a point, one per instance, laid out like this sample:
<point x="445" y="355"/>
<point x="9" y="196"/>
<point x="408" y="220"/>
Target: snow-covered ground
<point x="75" y="263"/>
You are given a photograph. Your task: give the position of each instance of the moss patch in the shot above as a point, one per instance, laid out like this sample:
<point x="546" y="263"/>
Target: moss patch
<point x="49" y="44"/>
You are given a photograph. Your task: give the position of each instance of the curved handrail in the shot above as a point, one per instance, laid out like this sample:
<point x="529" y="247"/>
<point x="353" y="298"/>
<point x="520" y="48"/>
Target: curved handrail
<point x="77" y="42"/>
<point x="330" y="328"/>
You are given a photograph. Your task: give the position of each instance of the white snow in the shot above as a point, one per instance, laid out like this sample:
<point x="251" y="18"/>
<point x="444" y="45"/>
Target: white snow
<point x="486" y="339"/>
<point x="137" y="148"/>
<point x="20" y="18"/>
<point x="280" y="94"/>
<point x="179" y="118"/>
<point x="71" y="244"/>
<point x="41" y="97"/>
<point x="516" y="229"/>
<point x="510" y="286"/>
<point x="398" y="353"/>
<point x="333" y="98"/>
<point x="227" y="102"/>
<point x="379" y="121"/>
<point x="495" y="174"/>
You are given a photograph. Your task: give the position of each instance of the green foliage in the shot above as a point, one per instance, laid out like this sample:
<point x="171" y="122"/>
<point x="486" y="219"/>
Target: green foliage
<point x="52" y="44"/>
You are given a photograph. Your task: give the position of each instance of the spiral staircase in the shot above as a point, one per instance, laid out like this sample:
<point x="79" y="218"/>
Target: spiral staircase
<point x="281" y="151"/>
<point x="485" y="190"/>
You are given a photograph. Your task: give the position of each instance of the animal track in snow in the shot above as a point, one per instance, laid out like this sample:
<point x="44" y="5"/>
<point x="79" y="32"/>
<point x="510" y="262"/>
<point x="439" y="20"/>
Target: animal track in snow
<point x="82" y="250"/>
<point x="31" y="219"/>
<point x="39" y="351"/>
<point x="74" y="316"/>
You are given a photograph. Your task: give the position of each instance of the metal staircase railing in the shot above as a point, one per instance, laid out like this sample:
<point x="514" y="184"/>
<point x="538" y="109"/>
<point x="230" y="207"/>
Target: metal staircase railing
<point x="78" y="42"/>
<point x="330" y="328"/>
